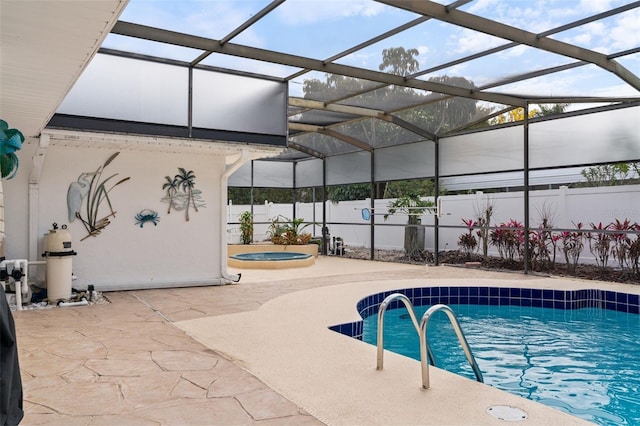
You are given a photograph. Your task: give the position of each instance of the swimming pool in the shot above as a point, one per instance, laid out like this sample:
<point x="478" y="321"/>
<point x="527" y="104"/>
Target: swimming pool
<point x="574" y="350"/>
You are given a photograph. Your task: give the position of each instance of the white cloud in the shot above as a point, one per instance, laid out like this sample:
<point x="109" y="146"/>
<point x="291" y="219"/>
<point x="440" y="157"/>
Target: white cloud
<point x="594" y="6"/>
<point x="422" y="56"/>
<point x="618" y="90"/>
<point x="304" y="12"/>
<point x="213" y="19"/>
<point x="514" y="52"/>
<point x="482" y="5"/>
<point x="469" y="41"/>
<point x="626" y="32"/>
<point x="550" y="86"/>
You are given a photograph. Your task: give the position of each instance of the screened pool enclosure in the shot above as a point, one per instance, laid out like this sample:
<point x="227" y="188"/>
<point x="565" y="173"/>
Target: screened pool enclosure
<point x="525" y="99"/>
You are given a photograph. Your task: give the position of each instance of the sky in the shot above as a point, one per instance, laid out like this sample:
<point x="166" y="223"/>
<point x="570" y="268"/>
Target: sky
<point x="320" y="29"/>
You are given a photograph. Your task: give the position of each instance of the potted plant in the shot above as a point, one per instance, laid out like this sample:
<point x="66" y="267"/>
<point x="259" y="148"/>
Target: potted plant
<point x="246" y="227"/>
<point x="288" y="232"/>
<point x="413" y="206"/>
<point x="10" y="141"/>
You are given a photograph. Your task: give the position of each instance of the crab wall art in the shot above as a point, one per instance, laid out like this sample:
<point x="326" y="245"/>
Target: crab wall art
<point x="147" y="215"/>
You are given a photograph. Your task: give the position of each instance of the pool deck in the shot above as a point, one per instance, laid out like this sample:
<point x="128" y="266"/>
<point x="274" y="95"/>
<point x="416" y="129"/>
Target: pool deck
<point x="257" y="352"/>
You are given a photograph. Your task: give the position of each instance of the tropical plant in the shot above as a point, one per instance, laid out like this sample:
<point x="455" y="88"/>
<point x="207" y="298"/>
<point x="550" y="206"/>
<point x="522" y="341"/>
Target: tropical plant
<point x="97" y="193"/>
<point x="542" y="244"/>
<point x="246" y="227"/>
<point x="634" y="253"/>
<point x="467" y="241"/>
<point x="484" y="214"/>
<point x="411" y="205"/>
<point x="10" y="141"/>
<point x="283" y="231"/>
<point x="600" y="244"/>
<point x="572" y="243"/>
<point x="508" y="238"/>
<point x="621" y="241"/>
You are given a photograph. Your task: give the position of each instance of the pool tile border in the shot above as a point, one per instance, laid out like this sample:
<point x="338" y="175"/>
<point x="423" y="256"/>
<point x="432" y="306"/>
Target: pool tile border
<point x="497" y="296"/>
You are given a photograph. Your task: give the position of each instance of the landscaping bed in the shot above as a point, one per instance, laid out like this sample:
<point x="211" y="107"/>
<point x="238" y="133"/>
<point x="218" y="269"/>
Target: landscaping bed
<point x="457" y="257"/>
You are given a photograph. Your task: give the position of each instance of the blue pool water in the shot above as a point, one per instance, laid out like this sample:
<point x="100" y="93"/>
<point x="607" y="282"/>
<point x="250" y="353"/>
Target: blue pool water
<point x="271" y="255"/>
<point x="583" y="361"/>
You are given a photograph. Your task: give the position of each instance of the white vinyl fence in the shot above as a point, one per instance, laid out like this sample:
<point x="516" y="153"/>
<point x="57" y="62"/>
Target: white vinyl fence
<point x="565" y="207"/>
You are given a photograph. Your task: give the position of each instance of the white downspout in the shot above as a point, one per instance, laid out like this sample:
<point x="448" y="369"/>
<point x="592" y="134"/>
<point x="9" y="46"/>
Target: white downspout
<point x="34" y="195"/>
<point x="224" y="180"/>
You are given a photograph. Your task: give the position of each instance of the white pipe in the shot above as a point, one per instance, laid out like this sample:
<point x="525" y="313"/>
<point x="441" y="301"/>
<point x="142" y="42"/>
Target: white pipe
<point x="224" y="179"/>
<point x="22" y="287"/>
<point x="23" y="265"/>
<point x="169" y="284"/>
<point x="80" y="303"/>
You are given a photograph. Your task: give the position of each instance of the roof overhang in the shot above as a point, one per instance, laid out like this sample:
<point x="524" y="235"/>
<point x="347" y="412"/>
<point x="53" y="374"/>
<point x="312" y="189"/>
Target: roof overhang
<point x="45" y="47"/>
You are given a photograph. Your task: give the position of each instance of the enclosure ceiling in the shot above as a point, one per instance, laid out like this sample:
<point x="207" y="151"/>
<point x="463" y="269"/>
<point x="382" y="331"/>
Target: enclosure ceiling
<point x="361" y="74"/>
<point x="337" y="105"/>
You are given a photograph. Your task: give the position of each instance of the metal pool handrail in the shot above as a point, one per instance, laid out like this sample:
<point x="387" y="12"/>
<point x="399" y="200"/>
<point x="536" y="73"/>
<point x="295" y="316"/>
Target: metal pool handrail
<point x="424" y="344"/>
<point x="414" y="319"/>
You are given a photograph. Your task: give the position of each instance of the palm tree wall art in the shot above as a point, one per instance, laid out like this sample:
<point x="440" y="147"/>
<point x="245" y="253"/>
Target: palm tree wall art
<point x="181" y="193"/>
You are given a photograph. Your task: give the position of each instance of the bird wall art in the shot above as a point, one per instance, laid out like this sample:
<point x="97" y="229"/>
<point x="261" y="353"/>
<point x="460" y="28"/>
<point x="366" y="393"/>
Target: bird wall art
<point x="90" y="189"/>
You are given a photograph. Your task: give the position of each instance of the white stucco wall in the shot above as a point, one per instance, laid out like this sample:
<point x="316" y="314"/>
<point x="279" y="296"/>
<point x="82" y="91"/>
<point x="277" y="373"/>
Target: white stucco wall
<point x="125" y="255"/>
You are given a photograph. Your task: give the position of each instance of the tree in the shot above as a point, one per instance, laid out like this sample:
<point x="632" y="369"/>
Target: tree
<point x="518" y="113"/>
<point x="399" y="61"/>
<point x="242" y="195"/>
<point x="435" y="113"/>
<point x="354" y="191"/>
<point x="444" y="113"/>
<point x="611" y="174"/>
<point x="513" y="116"/>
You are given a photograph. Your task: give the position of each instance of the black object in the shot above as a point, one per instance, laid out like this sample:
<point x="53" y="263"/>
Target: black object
<point x="11" y="412"/>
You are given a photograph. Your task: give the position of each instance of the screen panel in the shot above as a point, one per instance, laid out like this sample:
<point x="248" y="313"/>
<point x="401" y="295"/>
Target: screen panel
<point x="129" y="89"/>
<point x="309" y="173"/>
<point x="272" y="174"/>
<point x="488" y="151"/>
<point x="239" y="103"/>
<point x="416" y="160"/>
<point x="349" y="168"/>
<point x="242" y="176"/>
<point x="602" y="137"/>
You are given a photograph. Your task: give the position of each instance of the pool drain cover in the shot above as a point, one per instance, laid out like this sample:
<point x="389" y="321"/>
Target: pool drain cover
<point x="507" y="412"/>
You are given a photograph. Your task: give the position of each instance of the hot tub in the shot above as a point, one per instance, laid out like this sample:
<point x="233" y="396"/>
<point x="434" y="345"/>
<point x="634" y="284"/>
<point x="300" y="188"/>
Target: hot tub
<point x="270" y="260"/>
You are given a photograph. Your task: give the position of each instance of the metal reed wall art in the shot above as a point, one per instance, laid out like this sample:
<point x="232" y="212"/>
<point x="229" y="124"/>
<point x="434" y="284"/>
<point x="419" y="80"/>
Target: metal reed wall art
<point x="89" y="186"/>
